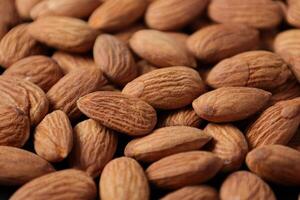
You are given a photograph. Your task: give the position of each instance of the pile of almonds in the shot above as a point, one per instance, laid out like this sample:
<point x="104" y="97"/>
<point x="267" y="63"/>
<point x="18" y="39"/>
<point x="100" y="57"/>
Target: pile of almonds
<point x="150" y="99"/>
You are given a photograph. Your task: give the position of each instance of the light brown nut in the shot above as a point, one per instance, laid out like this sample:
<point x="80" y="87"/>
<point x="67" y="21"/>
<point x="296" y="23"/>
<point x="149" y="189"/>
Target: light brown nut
<point x="19" y="166"/>
<point x="119" y="112"/>
<point x="228" y="143"/>
<point x="64" y="94"/>
<point x="160" y="49"/>
<point x="69" y="8"/>
<point x="167" y="88"/>
<point x="9" y="16"/>
<point x="144" y="67"/>
<point x="116" y="15"/>
<point x="276" y="125"/>
<point x="184" y="169"/>
<point x="64" y="33"/>
<point x="24" y="7"/>
<point x="166" y="141"/>
<point x="173" y="14"/>
<point x="195" y="192"/>
<point x="247" y="186"/>
<point x="53" y="137"/>
<point x="276" y="163"/>
<point x="216" y="42"/>
<point x="179" y="37"/>
<point x="123" y="178"/>
<point x="293" y="14"/>
<point x="114" y="59"/>
<point x="260" y="69"/>
<point x="18" y="44"/>
<point x="125" y="34"/>
<point x="262" y="14"/>
<point x="65" y="184"/>
<point x="40" y="70"/>
<point x="228" y="104"/>
<point x="94" y="146"/>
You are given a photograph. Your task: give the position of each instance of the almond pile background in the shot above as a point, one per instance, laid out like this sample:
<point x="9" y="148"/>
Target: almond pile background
<point x="150" y="99"/>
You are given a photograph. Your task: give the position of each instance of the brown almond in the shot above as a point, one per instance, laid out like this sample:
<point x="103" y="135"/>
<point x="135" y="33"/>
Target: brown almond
<point x="119" y="112"/>
<point x="166" y="141"/>
<point x="24" y="7"/>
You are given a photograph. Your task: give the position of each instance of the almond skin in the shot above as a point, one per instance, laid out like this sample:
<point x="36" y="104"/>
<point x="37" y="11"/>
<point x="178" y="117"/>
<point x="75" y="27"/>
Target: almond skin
<point x="160" y="49"/>
<point x="64" y="33"/>
<point x="184" y="169"/>
<point x="94" y="146"/>
<point x="159" y="87"/>
<point x="9" y="16"/>
<point x="30" y="166"/>
<point x="119" y="112"/>
<point x="219" y="106"/>
<point x="65" y="184"/>
<point x="292" y="15"/>
<point x="53" y="137"/>
<point x="173" y="14"/>
<point x="166" y="141"/>
<point x="216" y="42"/>
<point x="245" y="185"/>
<point x="123" y="178"/>
<point x="24" y="7"/>
<point x="275" y="163"/>
<point x="114" y="59"/>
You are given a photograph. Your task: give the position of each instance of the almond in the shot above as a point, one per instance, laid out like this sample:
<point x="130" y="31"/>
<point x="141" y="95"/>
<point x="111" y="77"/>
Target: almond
<point x="160" y="87"/>
<point x="245" y="185"/>
<point x="293" y="15"/>
<point x="123" y="178"/>
<point x="219" y="106"/>
<point x="65" y="184"/>
<point x="276" y="163"/>
<point x="24" y="7"/>
<point x="166" y="141"/>
<point x="19" y="166"/>
<point x="94" y="146"/>
<point x="119" y="112"/>
<point x="184" y="169"/>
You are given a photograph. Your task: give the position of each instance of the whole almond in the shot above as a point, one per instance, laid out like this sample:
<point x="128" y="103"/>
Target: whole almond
<point x="160" y="49"/>
<point x="216" y="42"/>
<point x="228" y="143"/>
<point x="64" y="33"/>
<point x="53" y="137"/>
<point x="173" y="14"/>
<point x="219" y="106"/>
<point x="24" y="7"/>
<point x="245" y="185"/>
<point x="276" y="163"/>
<point x="159" y="87"/>
<point x="119" y="112"/>
<point x="123" y="178"/>
<point x="184" y="169"/>
<point x="114" y="59"/>
<point x="94" y="146"/>
<point x="65" y="184"/>
<point x="20" y="166"/>
<point x="166" y="141"/>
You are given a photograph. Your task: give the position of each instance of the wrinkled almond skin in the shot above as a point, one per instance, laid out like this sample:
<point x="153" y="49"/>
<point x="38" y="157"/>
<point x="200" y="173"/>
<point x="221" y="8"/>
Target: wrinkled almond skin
<point x="53" y="137"/>
<point x="24" y="7"/>
<point x="114" y="59"/>
<point x="228" y="143"/>
<point x="260" y="69"/>
<point x="64" y="33"/>
<point x="182" y="169"/>
<point x="123" y="178"/>
<point x="216" y="42"/>
<point x="276" y="125"/>
<point x="173" y="14"/>
<point x="65" y="184"/>
<point x="160" y="49"/>
<point x="94" y="146"/>
<point x="64" y="94"/>
<point x="247" y="186"/>
<point x="20" y="166"/>
<point x="119" y="112"/>
<point x="275" y="163"/>
<point x="160" y="87"/>
<point x="40" y="70"/>
<point x="116" y="15"/>
<point x="166" y="141"/>
<point x="219" y="106"/>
